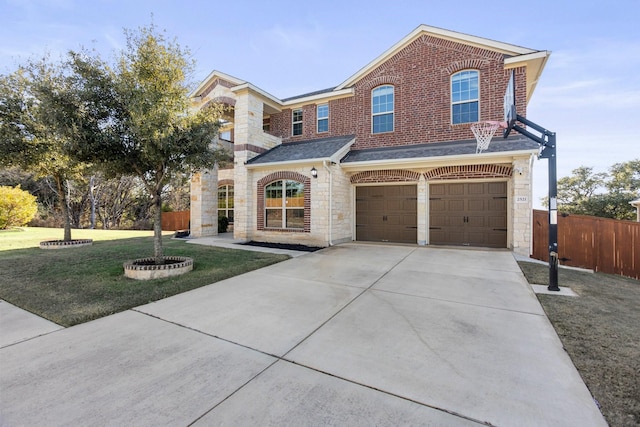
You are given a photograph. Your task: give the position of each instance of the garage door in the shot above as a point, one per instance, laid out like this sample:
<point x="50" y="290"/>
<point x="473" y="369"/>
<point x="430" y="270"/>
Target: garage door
<point x="387" y="213"/>
<point x="469" y="214"/>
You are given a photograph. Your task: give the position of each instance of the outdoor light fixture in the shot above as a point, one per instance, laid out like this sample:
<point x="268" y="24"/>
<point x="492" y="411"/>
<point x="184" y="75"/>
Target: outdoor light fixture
<point x="314" y="172"/>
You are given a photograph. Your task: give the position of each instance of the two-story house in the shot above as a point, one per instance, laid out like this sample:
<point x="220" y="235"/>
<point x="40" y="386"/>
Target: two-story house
<point x="385" y="156"/>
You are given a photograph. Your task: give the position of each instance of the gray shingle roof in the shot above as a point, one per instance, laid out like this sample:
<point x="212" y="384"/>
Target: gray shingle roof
<point x="303" y="150"/>
<point x="438" y="149"/>
<point x="304" y="95"/>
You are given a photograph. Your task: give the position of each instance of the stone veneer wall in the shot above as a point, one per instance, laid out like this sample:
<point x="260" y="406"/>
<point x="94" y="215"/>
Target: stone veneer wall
<point x="521" y="206"/>
<point x="204" y="203"/>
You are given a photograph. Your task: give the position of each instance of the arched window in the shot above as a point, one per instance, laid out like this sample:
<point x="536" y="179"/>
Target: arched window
<point x="465" y="95"/>
<point x="382" y="109"/>
<point x="284" y="204"/>
<point x="225" y="202"/>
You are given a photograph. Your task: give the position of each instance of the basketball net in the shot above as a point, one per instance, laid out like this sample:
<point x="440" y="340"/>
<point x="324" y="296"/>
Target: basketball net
<point x="483" y="131"/>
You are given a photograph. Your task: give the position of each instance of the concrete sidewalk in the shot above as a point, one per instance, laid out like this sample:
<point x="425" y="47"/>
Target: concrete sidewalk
<point x="354" y="334"/>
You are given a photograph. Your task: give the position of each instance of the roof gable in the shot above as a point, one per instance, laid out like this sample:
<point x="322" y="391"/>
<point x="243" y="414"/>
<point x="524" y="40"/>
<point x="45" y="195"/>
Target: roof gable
<point x="515" y="56"/>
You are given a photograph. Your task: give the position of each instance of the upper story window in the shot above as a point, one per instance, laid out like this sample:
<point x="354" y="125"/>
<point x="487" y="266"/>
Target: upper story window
<point x="284" y="204"/>
<point x="266" y="124"/>
<point x="225" y="135"/>
<point x="323" y="118"/>
<point x="465" y="97"/>
<point x="296" y="119"/>
<point x="382" y="109"/>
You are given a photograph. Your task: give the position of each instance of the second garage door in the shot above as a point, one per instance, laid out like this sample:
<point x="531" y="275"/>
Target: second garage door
<point x="469" y="214"/>
<point x="387" y="213"/>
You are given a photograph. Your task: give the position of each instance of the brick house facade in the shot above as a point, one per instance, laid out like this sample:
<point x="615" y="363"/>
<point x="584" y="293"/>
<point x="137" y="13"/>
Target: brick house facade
<point x="381" y="143"/>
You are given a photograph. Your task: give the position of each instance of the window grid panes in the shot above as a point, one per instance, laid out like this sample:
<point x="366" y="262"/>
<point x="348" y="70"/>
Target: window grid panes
<point x="284" y="204"/>
<point x="323" y="118"/>
<point x="225" y="202"/>
<point x="297" y="122"/>
<point x="382" y="104"/>
<point x="464" y="97"/>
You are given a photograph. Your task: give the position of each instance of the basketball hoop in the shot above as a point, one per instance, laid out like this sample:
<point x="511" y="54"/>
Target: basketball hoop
<point x="483" y="131"/>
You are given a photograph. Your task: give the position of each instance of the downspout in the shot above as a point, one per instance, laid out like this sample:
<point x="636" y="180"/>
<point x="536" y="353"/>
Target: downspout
<point x="328" y="169"/>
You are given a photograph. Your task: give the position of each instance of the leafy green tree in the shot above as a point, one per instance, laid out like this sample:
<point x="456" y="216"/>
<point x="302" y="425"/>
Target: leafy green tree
<point x="602" y="194"/>
<point x="38" y="124"/>
<point x="17" y="207"/>
<point x="625" y="177"/>
<point x="137" y="118"/>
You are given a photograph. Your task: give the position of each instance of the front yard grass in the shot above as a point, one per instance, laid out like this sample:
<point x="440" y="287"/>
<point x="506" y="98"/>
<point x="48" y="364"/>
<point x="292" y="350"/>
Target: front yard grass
<point x="71" y="286"/>
<point x="600" y="330"/>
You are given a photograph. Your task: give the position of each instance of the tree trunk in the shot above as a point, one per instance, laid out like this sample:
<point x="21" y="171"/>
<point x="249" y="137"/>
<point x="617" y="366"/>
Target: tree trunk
<point x="157" y="228"/>
<point x="93" y="202"/>
<point x="65" y="209"/>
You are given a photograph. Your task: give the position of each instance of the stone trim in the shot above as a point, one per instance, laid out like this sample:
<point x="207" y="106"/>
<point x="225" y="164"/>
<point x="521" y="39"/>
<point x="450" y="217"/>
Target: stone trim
<point x="394" y="175"/>
<point x="293" y="176"/>
<point x="225" y="182"/>
<point x="469" y="172"/>
<point x="215" y="83"/>
<point x="224" y="100"/>
<point x="249" y="147"/>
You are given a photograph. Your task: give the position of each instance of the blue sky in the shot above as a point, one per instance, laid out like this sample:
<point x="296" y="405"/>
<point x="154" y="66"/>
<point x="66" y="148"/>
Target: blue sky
<point x="589" y="93"/>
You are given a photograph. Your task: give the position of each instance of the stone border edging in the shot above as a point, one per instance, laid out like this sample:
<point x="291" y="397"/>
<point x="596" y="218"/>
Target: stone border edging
<point x="65" y="244"/>
<point x="180" y="265"/>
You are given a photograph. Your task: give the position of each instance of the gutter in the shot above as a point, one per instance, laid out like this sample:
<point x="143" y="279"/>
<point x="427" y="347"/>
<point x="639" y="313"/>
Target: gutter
<point x="504" y="156"/>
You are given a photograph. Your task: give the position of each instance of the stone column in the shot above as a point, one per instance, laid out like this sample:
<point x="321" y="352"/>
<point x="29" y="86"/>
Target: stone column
<point x="204" y="203"/>
<point x="522" y="206"/>
<point x="423" y="211"/>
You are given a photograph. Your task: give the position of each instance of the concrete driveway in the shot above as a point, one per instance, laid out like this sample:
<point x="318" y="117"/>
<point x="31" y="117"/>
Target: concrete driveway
<point x="354" y="334"/>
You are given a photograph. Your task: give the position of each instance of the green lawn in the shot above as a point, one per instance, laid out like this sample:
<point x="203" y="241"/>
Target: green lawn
<point x="75" y="285"/>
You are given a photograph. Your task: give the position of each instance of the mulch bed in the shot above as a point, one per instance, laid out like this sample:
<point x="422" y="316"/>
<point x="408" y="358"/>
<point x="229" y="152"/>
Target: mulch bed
<point x="288" y="246"/>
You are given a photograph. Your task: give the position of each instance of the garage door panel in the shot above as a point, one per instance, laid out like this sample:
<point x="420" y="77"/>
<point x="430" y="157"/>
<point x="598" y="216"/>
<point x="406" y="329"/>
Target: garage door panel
<point x="477" y="205"/>
<point x="497" y="187"/>
<point x="410" y="204"/>
<point x="476" y="189"/>
<point x="477" y="221"/>
<point x="497" y="239"/>
<point x="498" y="222"/>
<point x="455" y="205"/>
<point x="455" y="189"/>
<point x="497" y="204"/>
<point x="437" y="190"/>
<point x="387" y="213"/>
<point x="437" y="205"/>
<point x="473" y="213"/>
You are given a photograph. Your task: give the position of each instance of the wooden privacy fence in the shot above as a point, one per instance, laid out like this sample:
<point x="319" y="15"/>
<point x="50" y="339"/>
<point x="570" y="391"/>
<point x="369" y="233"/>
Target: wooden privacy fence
<point x="600" y="244"/>
<point x="172" y="221"/>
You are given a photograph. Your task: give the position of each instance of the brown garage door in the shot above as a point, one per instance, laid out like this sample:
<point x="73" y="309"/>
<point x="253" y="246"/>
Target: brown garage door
<point x="387" y="213"/>
<point x="469" y="214"/>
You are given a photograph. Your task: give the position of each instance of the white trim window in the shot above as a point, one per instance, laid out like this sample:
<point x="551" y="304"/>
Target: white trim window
<point x="225" y="202"/>
<point x="465" y="97"/>
<point x="382" y="104"/>
<point x="284" y="204"/>
<point x="296" y="119"/>
<point x="323" y="118"/>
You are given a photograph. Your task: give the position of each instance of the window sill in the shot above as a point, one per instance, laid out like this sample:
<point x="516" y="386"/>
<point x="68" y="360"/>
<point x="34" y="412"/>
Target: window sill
<point x="286" y="230"/>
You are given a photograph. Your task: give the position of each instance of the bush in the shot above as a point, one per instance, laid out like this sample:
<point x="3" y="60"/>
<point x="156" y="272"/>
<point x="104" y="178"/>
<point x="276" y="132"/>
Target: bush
<point x="223" y="224"/>
<point x="17" y="207"/>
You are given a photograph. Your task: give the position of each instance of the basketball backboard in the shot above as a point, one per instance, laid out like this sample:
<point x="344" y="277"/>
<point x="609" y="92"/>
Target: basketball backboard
<point x="510" y="105"/>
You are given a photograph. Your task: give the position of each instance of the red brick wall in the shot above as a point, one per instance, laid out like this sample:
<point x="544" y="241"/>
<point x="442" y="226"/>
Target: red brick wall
<point x="421" y="76"/>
